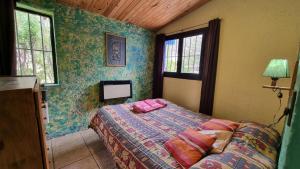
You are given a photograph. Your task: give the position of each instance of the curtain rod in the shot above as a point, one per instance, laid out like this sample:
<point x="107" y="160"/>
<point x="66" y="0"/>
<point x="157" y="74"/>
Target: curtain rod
<point x="188" y="28"/>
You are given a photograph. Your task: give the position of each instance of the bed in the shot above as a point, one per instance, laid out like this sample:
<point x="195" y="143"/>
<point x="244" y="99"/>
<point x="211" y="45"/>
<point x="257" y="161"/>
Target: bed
<point x="137" y="140"/>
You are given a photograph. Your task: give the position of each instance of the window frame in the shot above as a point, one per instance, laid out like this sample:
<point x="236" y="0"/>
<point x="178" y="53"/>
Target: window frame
<point x="180" y="37"/>
<point x="52" y="37"/>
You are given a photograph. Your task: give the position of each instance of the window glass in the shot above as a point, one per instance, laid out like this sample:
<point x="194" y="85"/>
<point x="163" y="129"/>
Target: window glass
<point x="191" y="54"/>
<point x="171" y="55"/>
<point x="34" y="46"/>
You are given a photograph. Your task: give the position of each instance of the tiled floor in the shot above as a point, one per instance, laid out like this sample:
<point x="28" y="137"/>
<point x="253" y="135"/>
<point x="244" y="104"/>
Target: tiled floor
<point x="82" y="150"/>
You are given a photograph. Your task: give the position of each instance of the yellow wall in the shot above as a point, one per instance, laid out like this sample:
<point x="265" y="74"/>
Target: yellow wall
<point x="252" y="33"/>
<point x="185" y="93"/>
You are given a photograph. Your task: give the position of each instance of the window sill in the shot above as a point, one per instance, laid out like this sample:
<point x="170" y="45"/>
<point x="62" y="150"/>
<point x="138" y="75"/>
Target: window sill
<point x="187" y="76"/>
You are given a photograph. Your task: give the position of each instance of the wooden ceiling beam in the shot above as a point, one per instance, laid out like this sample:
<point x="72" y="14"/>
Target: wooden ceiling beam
<point x="150" y="14"/>
<point x="111" y="6"/>
<point x="185" y="12"/>
<point x="147" y="12"/>
<point x="164" y="18"/>
<point x="128" y="10"/>
<point x="97" y="6"/>
<point x="134" y="13"/>
<point x="120" y="8"/>
<point x="157" y="12"/>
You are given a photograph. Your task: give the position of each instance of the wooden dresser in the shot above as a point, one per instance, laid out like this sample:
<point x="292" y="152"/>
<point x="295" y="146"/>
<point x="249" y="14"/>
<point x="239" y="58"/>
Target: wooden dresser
<point x="22" y="136"/>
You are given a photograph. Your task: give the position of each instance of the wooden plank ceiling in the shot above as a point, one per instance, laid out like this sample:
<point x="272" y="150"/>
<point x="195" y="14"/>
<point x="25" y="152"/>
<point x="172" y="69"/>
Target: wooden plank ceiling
<point x="149" y="14"/>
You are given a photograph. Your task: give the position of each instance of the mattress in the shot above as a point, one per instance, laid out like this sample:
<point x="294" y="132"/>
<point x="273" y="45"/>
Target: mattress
<point x="137" y="140"/>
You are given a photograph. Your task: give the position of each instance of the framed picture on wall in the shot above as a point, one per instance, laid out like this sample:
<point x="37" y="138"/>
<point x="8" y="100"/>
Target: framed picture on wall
<point x="115" y="50"/>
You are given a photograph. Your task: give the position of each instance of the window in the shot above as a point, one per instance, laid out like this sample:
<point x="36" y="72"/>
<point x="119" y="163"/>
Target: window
<point x="183" y="53"/>
<point x="171" y="55"/>
<point x="35" y="46"/>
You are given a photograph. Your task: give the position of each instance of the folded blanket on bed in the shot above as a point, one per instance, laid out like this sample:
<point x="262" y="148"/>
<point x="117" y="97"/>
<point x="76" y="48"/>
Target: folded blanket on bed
<point x="148" y="105"/>
<point x="161" y="101"/>
<point x="142" y="107"/>
<point x="153" y="103"/>
<point x="189" y="147"/>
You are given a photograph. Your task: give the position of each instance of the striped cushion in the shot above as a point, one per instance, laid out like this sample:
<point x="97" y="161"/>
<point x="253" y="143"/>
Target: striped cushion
<point x="218" y="124"/>
<point x="200" y="141"/>
<point x="189" y="147"/>
<point x="185" y="154"/>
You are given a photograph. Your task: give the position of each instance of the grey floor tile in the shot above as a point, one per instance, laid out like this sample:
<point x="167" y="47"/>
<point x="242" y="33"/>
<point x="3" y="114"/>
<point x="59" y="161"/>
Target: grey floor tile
<point x="86" y="163"/>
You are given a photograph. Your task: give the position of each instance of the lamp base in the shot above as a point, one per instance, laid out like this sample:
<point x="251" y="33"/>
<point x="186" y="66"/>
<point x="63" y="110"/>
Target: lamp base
<point x="274" y="81"/>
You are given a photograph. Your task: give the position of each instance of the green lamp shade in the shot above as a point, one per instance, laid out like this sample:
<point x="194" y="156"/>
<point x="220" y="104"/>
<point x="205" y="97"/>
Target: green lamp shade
<point x="277" y="68"/>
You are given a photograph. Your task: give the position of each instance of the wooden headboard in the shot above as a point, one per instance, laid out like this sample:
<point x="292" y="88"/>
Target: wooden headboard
<point x="115" y="89"/>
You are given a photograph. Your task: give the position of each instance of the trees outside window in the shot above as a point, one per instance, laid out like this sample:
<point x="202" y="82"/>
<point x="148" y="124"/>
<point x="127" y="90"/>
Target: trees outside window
<point x="183" y="53"/>
<point x="34" y="47"/>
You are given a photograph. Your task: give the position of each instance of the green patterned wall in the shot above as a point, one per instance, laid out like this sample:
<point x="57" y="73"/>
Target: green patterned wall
<point x="80" y="47"/>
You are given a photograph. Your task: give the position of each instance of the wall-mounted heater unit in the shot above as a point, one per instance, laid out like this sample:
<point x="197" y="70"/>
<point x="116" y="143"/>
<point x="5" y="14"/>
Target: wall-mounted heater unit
<point x="115" y="89"/>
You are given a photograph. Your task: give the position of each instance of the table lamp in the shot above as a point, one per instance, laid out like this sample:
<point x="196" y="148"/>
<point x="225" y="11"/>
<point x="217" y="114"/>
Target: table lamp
<point x="277" y="68"/>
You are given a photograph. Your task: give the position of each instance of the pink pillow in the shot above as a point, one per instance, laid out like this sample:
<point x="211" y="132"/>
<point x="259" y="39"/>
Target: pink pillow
<point x="218" y="124"/>
<point x="185" y="154"/>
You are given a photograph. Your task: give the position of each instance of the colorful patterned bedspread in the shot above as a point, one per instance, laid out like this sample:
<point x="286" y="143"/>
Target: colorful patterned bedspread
<point x="137" y="140"/>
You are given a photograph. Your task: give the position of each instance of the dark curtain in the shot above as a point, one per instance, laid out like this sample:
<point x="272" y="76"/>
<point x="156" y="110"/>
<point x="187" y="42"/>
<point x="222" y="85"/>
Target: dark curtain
<point x="158" y="67"/>
<point x="7" y="38"/>
<point x="210" y="67"/>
